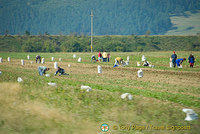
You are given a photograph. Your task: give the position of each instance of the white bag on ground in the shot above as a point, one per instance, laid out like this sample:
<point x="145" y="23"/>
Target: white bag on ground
<point x="19" y="79"/>
<point x="52" y="58"/>
<point x="126" y="95"/>
<point x="74" y="55"/>
<point x="79" y="59"/>
<point x="28" y="57"/>
<point x="52" y="84"/>
<point x="55" y="65"/>
<point x="87" y="88"/>
<point x="22" y="62"/>
<point x="1" y="60"/>
<point x="180" y="66"/>
<point x="8" y="59"/>
<point x="143" y="58"/>
<point x="47" y="75"/>
<point x="140" y="73"/>
<point x="43" y="61"/>
<point x="190" y="114"/>
<point x="138" y="64"/>
<point x="128" y="58"/>
<point x="127" y="62"/>
<point x="99" y="69"/>
<point x="170" y="64"/>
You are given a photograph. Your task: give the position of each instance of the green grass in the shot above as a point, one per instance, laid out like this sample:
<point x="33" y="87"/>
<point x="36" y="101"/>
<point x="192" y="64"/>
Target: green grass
<point x="186" y="25"/>
<point x="34" y="107"/>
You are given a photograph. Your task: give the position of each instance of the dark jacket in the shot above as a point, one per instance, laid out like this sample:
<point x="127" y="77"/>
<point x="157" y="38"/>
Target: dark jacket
<point x="191" y="59"/>
<point x="174" y="56"/>
<point x="61" y="71"/>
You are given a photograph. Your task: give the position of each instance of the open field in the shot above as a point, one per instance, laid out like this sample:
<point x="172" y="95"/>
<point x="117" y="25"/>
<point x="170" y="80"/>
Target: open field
<point x="158" y="98"/>
<point x="186" y="25"/>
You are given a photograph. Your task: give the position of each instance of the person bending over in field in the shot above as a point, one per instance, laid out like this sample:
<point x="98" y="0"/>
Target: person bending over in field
<point x="191" y="60"/>
<point x="42" y="70"/>
<point x="61" y="71"/>
<point x="146" y="63"/>
<point x="119" y="61"/>
<point x="93" y="58"/>
<point x="179" y="62"/>
<point x="38" y="59"/>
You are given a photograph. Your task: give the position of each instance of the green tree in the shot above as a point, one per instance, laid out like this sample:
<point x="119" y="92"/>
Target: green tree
<point x="27" y="33"/>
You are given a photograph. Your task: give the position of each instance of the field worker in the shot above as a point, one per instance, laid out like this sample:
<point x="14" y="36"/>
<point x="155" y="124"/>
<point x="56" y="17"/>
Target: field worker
<point x="146" y="63"/>
<point x="42" y="70"/>
<point x="99" y="56"/>
<point x="174" y="57"/>
<point x="38" y="58"/>
<point x="108" y="57"/>
<point x="191" y="60"/>
<point x="179" y="62"/>
<point x="93" y="58"/>
<point x="118" y="61"/>
<point x="105" y="56"/>
<point x="61" y="71"/>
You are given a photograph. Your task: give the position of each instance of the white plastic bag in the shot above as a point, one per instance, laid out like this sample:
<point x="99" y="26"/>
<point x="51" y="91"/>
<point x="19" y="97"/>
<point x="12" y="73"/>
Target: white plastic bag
<point x="170" y="64"/>
<point x="190" y="114"/>
<point x="22" y="62"/>
<point x="126" y="95"/>
<point x="143" y="58"/>
<point x="79" y="59"/>
<point x="8" y="59"/>
<point x="52" y="84"/>
<point x="87" y="88"/>
<point x="1" y="60"/>
<point x="43" y="61"/>
<point x="47" y="75"/>
<point x="99" y="69"/>
<point x="52" y="58"/>
<point x="140" y="73"/>
<point x="55" y="65"/>
<point x="19" y="79"/>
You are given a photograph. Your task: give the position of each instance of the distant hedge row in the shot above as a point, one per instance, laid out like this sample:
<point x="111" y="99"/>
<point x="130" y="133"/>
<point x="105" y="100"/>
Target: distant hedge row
<point x="78" y="43"/>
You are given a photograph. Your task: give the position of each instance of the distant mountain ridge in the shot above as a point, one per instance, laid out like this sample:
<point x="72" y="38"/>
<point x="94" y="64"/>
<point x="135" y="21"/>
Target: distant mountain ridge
<point x="111" y="17"/>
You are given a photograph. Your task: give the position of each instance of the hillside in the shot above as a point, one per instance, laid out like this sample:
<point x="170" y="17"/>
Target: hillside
<point x="189" y="24"/>
<point x="111" y="17"/>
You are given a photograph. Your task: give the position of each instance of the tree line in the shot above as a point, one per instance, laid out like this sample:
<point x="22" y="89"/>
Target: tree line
<point x="81" y="43"/>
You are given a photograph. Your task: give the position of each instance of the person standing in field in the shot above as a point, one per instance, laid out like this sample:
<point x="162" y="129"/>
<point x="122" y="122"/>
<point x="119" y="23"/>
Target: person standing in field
<point x="99" y="56"/>
<point x="38" y="58"/>
<point x="191" y="60"/>
<point x="42" y="70"/>
<point x="105" y="56"/>
<point x="179" y="62"/>
<point x="174" y="57"/>
<point x="108" y="57"/>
